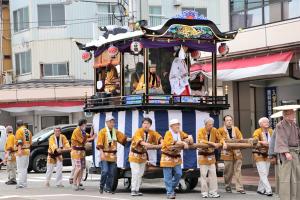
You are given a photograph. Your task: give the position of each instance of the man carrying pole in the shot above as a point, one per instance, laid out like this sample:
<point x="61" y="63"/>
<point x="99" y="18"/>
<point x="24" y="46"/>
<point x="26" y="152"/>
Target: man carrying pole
<point x="263" y="135"/>
<point x="207" y="161"/>
<point x="58" y="143"/>
<point x="143" y="139"/>
<point x="108" y="138"/>
<point x="78" y="140"/>
<point x="10" y="156"/>
<point x="23" y="142"/>
<point x="232" y="158"/>
<point x="174" y="141"/>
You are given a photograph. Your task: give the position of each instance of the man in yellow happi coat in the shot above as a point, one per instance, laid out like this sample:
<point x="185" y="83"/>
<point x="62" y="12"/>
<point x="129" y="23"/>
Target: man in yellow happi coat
<point x="108" y="138"/>
<point x="232" y="158"/>
<point x="260" y="155"/>
<point x="138" y="156"/>
<point x="23" y="141"/>
<point x="10" y="156"/>
<point x="171" y="161"/>
<point x="207" y="161"/>
<point x="58" y="143"/>
<point x="78" y="140"/>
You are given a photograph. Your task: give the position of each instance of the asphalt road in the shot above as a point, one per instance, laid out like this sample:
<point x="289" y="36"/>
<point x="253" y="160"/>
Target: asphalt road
<point x="152" y="189"/>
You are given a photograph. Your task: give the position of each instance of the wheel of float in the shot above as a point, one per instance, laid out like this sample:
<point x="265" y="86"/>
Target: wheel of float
<point x="127" y="183"/>
<point x="184" y="186"/>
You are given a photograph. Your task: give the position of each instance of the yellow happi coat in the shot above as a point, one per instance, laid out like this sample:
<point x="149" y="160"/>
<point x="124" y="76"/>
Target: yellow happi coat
<point x="138" y="153"/>
<point x="24" y="138"/>
<point x="53" y="155"/>
<point x="78" y="141"/>
<point x="10" y="147"/>
<point x="207" y="156"/>
<point x="261" y="154"/>
<point x="110" y="150"/>
<point x="229" y="155"/>
<point x="171" y="157"/>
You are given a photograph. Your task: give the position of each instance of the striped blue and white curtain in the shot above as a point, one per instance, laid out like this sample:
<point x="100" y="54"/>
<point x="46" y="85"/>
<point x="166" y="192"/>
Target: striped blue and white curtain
<point x="129" y="121"/>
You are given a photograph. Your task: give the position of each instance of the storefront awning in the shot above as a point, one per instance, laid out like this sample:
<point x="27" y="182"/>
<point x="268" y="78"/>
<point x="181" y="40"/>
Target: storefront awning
<point x="276" y="64"/>
<point x="55" y="106"/>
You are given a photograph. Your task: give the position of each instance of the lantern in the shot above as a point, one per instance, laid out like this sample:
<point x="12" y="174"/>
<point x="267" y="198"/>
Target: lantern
<point x="136" y="47"/>
<point x="195" y="54"/>
<point x="223" y="49"/>
<point x="112" y="51"/>
<point x="86" y="56"/>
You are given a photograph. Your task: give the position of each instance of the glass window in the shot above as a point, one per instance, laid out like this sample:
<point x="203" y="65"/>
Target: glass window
<point x="17" y="58"/>
<point x="23" y="62"/>
<point x="106" y="12"/>
<point x="44" y="15"/>
<point x="238" y="20"/>
<point x="273" y="12"/>
<point x="237" y="5"/>
<point x="58" y="14"/>
<point x="291" y="9"/>
<point x="155" y="15"/>
<point x="55" y="69"/>
<point x="21" y="19"/>
<point x="51" y="15"/>
<point x="48" y="121"/>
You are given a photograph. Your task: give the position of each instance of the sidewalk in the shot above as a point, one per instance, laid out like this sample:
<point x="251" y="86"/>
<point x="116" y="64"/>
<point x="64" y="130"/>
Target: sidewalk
<point x="250" y="179"/>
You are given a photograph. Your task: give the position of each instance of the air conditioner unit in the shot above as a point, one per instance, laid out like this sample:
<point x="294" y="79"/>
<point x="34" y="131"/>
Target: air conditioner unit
<point x="8" y="78"/>
<point x="177" y="2"/>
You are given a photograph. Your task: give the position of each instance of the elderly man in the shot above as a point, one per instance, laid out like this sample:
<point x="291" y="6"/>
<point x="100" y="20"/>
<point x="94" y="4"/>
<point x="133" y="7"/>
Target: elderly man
<point x="263" y="135"/>
<point x="174" y="141"/>
<point x="10" y="157"/>
<point x="232" y="158"/>
<point x="138" y="156"/>
<point x="207" y="161"/>
<point x="287" y="145"/>
<point x="108" y="138"/>
<point x="58" y="143"/>
<point x="23" y="141"/>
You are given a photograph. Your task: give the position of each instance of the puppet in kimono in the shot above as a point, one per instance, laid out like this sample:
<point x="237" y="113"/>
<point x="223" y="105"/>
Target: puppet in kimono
<point x="179" y="75"/>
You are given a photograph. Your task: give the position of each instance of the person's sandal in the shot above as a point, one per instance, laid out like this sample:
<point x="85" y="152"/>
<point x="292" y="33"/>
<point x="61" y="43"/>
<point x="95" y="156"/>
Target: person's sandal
<point x="242" y="191"/>
<point x="228" y="190"/>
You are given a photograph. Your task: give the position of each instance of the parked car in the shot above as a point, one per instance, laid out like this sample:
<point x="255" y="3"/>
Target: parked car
<point x="40" y="144"/>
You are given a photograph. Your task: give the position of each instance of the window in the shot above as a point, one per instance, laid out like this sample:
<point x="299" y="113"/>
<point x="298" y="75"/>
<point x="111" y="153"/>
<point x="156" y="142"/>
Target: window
<point x="23" y="62"/>
<point x="48" y="121"/>
<point x="21" y="19"/>
<point x="59" y="69"/>
<point x="106" y="12"/>
<point x="51" y="15"/>
<point x="155" y="15"/>
<point x="248" y="13"/>
<point x="201" y="11"/>
<point x="291" y="9"/>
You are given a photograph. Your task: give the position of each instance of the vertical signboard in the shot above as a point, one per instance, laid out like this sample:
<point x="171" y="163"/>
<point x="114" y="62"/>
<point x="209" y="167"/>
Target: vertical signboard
<point x="271" y="102"/>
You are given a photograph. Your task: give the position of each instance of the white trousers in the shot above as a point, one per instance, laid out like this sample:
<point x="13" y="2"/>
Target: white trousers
<point x="263" y="171"/>
<point x="209" y="184"/>
<point x="50" y="169"/>
<point x="137" y="172"/>
<point x="22" y="166"/>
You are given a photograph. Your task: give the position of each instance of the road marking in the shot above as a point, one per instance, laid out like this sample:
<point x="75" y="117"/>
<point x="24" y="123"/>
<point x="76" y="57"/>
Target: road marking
<point x="58" y="195"/>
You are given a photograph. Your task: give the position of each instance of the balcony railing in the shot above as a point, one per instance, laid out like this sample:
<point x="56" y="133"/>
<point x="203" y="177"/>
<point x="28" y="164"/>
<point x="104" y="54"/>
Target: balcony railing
<point x="101" y="102"/>
<point x="105" y="19"/>
<point x="155" y="20"/>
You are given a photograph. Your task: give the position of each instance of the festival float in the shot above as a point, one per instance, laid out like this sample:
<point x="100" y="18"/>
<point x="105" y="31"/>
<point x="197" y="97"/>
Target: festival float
<point x="160" y="86"/>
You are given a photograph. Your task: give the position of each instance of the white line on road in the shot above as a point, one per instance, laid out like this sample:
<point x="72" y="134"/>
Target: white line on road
<point x="58" y="195"/>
